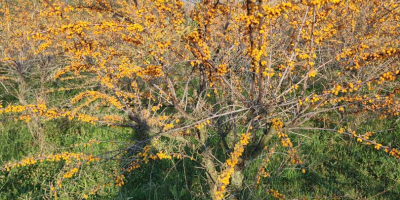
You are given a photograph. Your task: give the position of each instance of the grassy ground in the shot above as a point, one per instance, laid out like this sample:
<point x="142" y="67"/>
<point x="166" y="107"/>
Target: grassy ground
<point x="336" y="166"/>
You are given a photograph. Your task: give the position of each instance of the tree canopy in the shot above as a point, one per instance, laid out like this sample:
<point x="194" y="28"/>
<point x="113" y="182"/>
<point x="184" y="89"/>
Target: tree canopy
<point x="219" y="82"/>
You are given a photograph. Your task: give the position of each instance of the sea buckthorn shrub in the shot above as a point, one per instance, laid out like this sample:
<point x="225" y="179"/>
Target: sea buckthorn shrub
<point x="218" y="82"/>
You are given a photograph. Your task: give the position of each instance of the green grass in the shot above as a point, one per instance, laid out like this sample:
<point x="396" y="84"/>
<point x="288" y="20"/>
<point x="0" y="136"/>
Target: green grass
<point x="34" y="182"/>
<point x="336" y="166"/>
